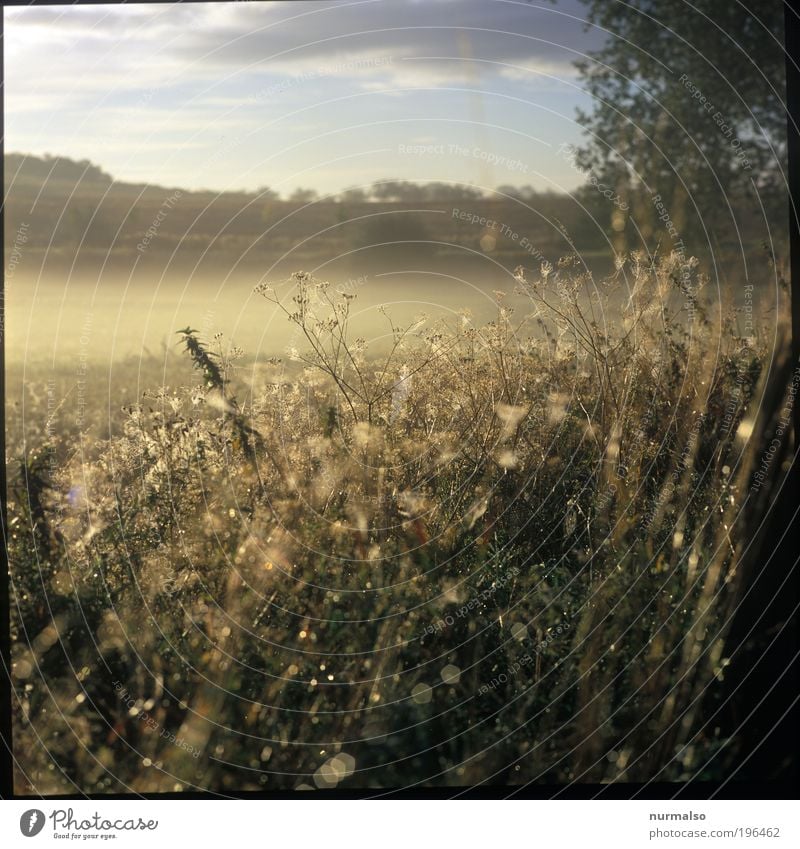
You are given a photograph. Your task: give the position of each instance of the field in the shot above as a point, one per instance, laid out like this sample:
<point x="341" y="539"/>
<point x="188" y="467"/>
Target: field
<point x="470" y="551"/>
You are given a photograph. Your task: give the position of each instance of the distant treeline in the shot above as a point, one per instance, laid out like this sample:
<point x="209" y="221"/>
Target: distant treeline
<point x="71" y="207"/>
<point x="74" y="210"/>
<point x="24" y="171"/>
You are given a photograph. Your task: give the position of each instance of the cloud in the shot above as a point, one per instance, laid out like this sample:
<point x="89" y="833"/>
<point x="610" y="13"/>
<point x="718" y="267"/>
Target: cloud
<point x="437" y="37"/>
<point x="182" y="73"/>
<point x="416" y="37"/>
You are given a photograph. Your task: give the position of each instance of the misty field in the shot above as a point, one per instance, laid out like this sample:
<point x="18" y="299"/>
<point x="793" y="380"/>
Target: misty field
<point x="502" y="552"/>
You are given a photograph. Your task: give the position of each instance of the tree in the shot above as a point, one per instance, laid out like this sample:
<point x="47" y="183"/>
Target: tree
<point x="353" y="196"/>
<point x="450" y="192"/>
<point x="270" y="200"/>
<point x="687" y="106"/>
<point x="303" y="196"/>
<point x="524" y="193"/>
<point x="397" y="191"/>
<point x="404" y="191"/>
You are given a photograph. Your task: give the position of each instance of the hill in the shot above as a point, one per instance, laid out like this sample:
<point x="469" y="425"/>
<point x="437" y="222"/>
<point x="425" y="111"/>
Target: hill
<point x="73" y="214"/>
<point x="76" y="210"/>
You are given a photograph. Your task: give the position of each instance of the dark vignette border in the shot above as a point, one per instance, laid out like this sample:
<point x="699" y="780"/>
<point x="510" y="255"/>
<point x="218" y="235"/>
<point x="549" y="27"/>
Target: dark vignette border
<point x="771" y="733"/>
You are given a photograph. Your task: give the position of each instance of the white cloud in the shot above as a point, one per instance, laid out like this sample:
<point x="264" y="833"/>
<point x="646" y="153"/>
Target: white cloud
<point x="177" y="76"/>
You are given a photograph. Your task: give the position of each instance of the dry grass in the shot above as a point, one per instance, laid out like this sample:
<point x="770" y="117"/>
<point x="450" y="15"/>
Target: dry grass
<point x="499" y="553"/>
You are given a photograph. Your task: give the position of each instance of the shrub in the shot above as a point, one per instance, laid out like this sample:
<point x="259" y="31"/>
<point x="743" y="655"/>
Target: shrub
<point x="505" y="552"/>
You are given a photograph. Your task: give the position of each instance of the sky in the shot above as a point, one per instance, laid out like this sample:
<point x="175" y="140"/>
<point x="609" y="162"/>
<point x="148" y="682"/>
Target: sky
<point x="332" y="95"/>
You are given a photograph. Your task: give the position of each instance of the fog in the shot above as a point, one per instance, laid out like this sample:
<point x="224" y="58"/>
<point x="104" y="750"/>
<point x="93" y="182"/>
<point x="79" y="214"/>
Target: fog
<point x="52" y="321"/>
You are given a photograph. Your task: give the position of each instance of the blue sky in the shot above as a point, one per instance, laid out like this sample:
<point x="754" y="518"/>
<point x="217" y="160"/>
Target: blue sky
<point x="322" y="95"/>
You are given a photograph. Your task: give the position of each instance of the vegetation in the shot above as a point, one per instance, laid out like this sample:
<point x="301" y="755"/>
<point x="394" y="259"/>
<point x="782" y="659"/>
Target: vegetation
<point x="501" y="553"/>
<point x="688" y="103"/>
<point x="76" y="219"/>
